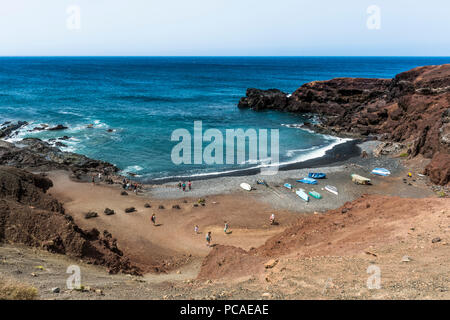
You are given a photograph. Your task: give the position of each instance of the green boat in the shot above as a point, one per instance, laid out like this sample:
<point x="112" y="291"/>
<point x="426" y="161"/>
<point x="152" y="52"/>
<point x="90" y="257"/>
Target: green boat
<point x="315" y="195"/>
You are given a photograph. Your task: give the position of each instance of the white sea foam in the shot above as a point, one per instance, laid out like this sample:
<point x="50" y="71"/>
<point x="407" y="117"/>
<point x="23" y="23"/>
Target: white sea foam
<point x="133" y="168"/>
<point x="317" y="153"/>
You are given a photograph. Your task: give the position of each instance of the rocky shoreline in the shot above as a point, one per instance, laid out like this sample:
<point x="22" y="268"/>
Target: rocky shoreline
<point x="37" y="155"/>
<point x="411" y="110"/>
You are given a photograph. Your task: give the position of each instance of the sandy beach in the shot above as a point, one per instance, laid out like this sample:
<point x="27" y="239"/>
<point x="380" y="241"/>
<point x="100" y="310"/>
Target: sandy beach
<point x="172" y="243"/>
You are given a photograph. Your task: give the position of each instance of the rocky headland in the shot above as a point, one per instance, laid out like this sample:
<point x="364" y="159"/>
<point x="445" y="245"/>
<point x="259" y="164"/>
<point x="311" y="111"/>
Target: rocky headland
<point x="410" y="110"/>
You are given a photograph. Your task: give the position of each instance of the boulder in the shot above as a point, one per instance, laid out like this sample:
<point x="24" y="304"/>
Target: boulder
<point x="91" y="214"/>
<point x="109" y="212"/>
<point x="130" y="209"/>
<point x="271" y="263"/>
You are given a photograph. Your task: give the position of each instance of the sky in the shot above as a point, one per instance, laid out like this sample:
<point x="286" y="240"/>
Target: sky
<point x="224" y="28"/>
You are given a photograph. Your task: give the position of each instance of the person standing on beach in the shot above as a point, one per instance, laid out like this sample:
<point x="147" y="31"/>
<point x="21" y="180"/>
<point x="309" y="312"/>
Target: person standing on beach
<point x="196" y="229"/>
<point x="272" y="218"/>
<point x="153" y="218"/>
<point x="208" y="239"/>
<point x="93" y="180"/>
<point x="190" y="185"/>
<point x="184" y="186"/>
<point x="225" y="229"/>
<point x="179" y="185"/>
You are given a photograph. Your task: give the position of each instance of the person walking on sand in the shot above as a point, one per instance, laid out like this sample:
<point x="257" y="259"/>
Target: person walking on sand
<point x="208" y="239"/>
<point x="196" y="229"/>
<point x="179" y="185"/>
<point x="190" y="185"/>
<point x="153" y="219"/>
<point x="225" y="229"/>
<point x="272" y="218"/>
<point x="184" y="186"/>
<point x="93" y="180"/>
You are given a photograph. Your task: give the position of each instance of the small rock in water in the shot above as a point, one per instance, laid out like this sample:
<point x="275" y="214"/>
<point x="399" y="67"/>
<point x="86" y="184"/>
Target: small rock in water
<point x="58" y="127"/>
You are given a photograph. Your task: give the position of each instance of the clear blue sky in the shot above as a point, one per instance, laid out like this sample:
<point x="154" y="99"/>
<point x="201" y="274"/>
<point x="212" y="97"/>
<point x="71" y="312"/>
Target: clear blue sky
<point x="225" y="27"/>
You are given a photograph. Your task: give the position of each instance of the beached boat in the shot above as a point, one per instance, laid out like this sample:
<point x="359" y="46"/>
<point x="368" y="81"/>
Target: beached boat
<point x="262" y="181"/>
<point x="246" y="186"/>
<point x="315" y="194"/>
<point x="288" y="185"/>
<point x="356" y="178"/>
<point x="308" y="181"/>
<point x="317" y="175"/>
<point x="381" y="171"/>
<point x="332" y="189"/>
<point x="302" y="194"/>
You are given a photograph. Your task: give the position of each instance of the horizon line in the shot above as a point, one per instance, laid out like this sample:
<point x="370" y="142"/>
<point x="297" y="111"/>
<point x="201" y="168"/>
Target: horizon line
<point x="223" y="56"/>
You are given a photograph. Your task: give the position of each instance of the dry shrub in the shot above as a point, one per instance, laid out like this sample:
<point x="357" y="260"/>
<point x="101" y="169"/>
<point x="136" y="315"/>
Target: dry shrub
<point x="13" y="290"/>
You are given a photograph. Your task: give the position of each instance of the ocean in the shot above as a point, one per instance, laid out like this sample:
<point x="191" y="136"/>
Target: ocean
<point x="145" y="99"/>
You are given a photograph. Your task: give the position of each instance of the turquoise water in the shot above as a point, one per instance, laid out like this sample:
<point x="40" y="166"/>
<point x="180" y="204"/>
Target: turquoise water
<point x="144" y="99"/>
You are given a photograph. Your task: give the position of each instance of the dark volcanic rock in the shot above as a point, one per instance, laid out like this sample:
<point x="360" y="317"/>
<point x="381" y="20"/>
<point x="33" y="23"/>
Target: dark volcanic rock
<point x="263" y="99"/>
<point x="109" y="211"/>
<point x="91" y="214"/>
<point x="33" y="153"/>
<point x="8" y="128"/>
<point x="131" y="209"/>
<point x="58" y="127"/>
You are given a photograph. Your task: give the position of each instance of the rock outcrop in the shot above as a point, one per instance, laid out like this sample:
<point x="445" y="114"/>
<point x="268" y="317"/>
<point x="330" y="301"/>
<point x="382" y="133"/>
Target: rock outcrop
<point x="412" y="109"/>
<point x="30" y="216"/>
<point x="33" y="153"/>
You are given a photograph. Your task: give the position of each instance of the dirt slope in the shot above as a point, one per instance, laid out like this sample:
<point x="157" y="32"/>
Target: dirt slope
<point x="372" y="220"/>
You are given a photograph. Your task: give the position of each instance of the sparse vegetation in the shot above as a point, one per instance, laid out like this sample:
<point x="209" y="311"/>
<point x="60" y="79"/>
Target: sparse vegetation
<point x="403" y="155"/>
<point x="12" y="290"/>
<point x="441" y="194"/>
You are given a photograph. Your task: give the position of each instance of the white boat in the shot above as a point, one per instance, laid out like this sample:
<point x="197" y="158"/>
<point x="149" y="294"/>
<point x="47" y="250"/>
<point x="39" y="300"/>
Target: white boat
<point x="332" y="189"/>
<point x="302" y="194"/>
<point x="381" y="171"/>
<point x="246" y="186"/>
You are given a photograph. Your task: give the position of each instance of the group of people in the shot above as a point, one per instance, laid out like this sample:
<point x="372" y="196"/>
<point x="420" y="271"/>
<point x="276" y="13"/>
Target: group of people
<point x="128" y="185"/>
<point x="182" y="185"/>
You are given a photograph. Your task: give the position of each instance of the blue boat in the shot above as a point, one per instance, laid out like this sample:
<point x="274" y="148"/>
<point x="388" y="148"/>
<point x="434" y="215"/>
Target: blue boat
<point x="288" y="185"/>
<point x="381" y="172"/>
<point x="308" y="181"/>
<point x="317" y="175"/>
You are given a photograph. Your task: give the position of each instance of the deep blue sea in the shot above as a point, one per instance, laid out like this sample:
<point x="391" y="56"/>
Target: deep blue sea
<point x="144" y="99"/>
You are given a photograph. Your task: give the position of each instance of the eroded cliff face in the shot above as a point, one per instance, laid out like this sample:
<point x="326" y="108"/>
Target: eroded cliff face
<point x="30" y="216"/>
<point x="412" y="108"/>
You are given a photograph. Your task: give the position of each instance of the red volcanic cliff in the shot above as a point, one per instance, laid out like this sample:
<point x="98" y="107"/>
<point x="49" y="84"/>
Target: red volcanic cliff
<point x="412" y="108"/>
